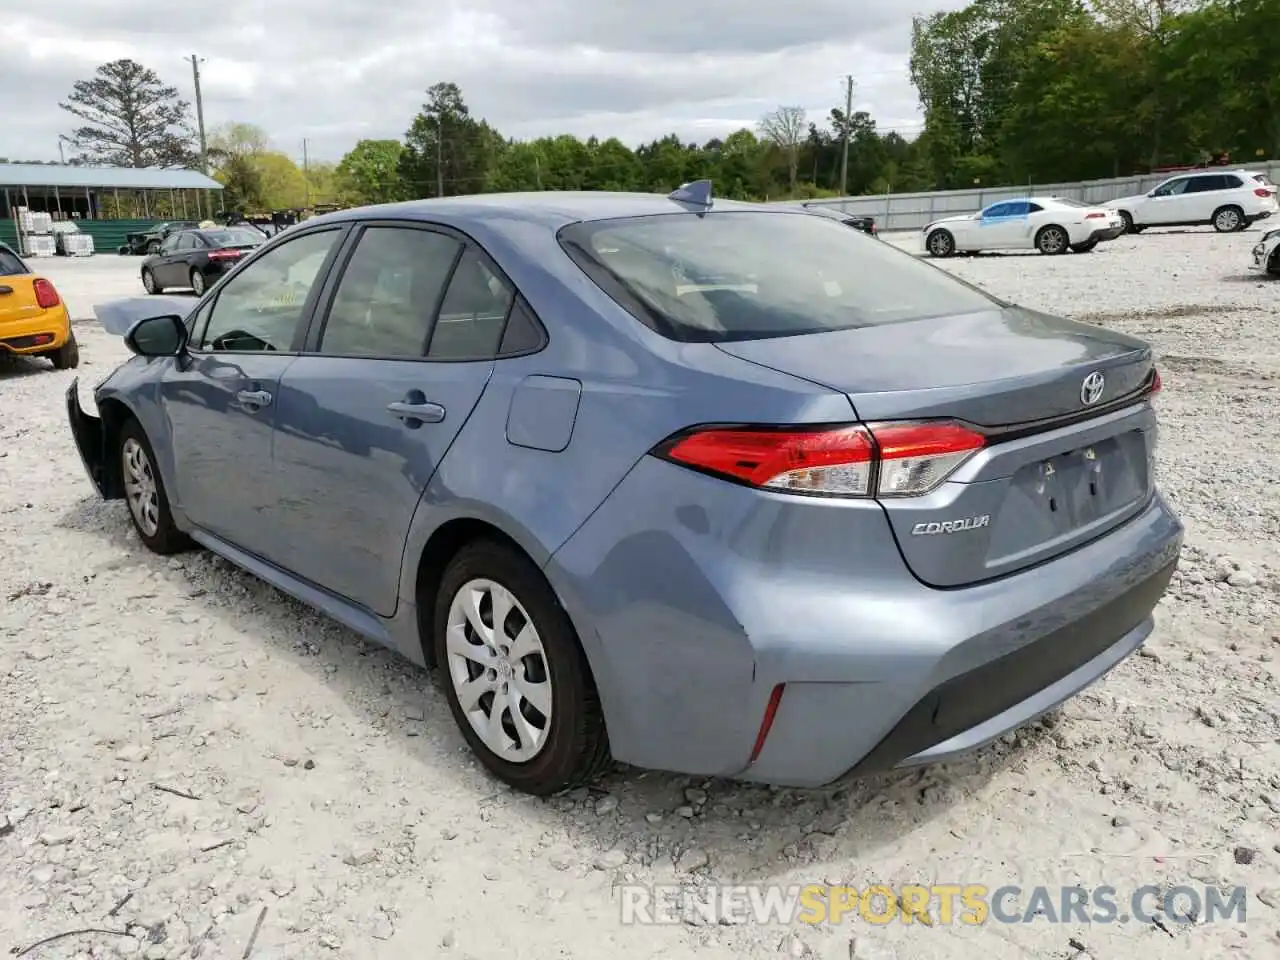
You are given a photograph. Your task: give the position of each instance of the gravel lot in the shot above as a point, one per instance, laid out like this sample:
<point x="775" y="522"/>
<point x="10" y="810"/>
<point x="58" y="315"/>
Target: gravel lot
<point x="181" y="746"/>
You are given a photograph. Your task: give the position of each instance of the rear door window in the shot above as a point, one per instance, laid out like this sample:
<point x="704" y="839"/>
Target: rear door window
<point x="386" y="300"/>
<point x="748" y="275"/>
<point x="474" y="312"/>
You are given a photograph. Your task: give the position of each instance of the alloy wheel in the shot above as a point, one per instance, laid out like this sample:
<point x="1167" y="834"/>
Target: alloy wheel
<point x="1227" y="221"/>
<point x="498" y="667"/>
<point x="140" y="486"/>
<point x="1053" y="240"/>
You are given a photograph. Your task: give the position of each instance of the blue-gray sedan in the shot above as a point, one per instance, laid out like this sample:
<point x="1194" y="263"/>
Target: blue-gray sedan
<point x="701" y="486"/>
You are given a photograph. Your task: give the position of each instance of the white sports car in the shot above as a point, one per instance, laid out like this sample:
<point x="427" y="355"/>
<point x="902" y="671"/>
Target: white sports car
<point x="1051" y="225"/>
<point x="1266" y="253"/>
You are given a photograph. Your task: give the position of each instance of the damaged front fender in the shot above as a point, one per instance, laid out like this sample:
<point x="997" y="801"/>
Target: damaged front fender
<point x="91" y="440"/>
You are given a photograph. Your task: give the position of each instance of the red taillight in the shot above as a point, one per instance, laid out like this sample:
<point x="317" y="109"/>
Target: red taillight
<point x="224" y="254"/>
<point x="1156" y="383"/>
<point x="885" y="459"/>
<point x="770" y="711"/>
<point x="1263" y="191"/>
<point x="46" y="293"/>
<point x="1095" y="216"/>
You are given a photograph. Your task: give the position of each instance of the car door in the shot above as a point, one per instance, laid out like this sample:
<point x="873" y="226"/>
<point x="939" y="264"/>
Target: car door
<point x="391" y="373"/>
<point x="1203" y="195"/>
<point x="1167" y="203"/>
<point x="1001" y="225"/>
<point x="162" y="269"/>
<point x="220" y="398"/>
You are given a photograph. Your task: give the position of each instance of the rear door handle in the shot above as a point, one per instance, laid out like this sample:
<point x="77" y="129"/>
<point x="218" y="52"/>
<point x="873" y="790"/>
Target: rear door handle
<point x="254" y="398"/>
<point x="415" y="414"/>
<point x="5" y="290"/>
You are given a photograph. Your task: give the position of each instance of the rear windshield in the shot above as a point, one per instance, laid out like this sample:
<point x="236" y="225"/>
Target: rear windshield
<point x="753" y="275"/>
<point x="10" y="265"/>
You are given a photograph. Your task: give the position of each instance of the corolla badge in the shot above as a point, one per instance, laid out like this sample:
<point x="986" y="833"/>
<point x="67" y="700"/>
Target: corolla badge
<point x="1091" y="389"/>
<point x="951" y="526"/>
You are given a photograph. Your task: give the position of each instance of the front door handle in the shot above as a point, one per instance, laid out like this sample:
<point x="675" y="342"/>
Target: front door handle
<point x="416" y="413"/>
<point x="254" y="398"/>
<point x="5" y="290"/>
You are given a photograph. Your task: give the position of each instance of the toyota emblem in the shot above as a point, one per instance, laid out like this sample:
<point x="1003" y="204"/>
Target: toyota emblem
<point x="1091" y="388"/>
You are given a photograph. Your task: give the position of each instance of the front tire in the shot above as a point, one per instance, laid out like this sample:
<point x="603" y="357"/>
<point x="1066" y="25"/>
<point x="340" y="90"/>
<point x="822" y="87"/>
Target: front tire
<point x="145" y="493"/>
<point x="1052" y="240"/>
<point x="1127" y="219"/>
<point x="940" y="244"/>
<point x="149" y="282"/>
<point x="1228" y="219"/>
<point x="67" y="356"/>
<point x="517" y="681"/>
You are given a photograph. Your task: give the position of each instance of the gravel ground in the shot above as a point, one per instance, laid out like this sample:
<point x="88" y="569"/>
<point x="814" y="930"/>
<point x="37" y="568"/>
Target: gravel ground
<point x="183" y="748"/>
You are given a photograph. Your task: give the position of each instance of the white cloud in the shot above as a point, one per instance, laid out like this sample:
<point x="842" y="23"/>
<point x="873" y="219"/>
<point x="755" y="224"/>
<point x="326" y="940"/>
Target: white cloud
<point x="335" y="72"/>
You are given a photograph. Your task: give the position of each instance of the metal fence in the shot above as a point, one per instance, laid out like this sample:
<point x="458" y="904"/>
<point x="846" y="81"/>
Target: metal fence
<point x="911" y="211"/>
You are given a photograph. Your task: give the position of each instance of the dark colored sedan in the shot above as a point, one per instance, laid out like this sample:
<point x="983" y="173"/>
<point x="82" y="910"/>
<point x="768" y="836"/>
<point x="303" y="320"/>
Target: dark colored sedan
<point x="197" y="258"/>
<point x="862" y="222"/>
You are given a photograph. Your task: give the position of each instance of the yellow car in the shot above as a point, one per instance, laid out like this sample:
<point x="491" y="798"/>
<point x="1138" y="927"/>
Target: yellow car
<point x="34" y="321"/>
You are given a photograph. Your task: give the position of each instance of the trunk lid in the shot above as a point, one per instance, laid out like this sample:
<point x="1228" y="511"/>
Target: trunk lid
<point x="1057" y="471"/>
<point x="18" y="299"/>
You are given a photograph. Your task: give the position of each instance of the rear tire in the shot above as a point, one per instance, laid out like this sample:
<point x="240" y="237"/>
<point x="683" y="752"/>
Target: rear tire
<point x="145" y="493"/>
<point x="1228" y="219"/>
<point x="67" y="356"/>
<point x="198" y="282"/>
<point x="533" y="654"/>
<point x="149" y="282"/>
<point x="1053" y="240"/>
<point x="940" y="243"/>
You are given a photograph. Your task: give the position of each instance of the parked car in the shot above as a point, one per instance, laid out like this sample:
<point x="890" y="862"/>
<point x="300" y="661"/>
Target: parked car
<point x="198" y="258"/>
<point x="717" y="488"/>
<point x="862" y="222"/>
<point x="34" y="320"/>
<point x="149" y="242"/>
<point x="1052" y="225"/>
<point x="1266" y="253"/>
<point x="1229" y="200"/>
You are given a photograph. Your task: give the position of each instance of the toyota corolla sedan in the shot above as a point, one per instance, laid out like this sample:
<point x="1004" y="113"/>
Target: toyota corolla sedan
<point x="701" y="486"/>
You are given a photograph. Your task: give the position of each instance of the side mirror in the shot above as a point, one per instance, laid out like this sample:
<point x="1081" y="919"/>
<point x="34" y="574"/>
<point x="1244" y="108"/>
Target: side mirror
<point x="163" y="336"/>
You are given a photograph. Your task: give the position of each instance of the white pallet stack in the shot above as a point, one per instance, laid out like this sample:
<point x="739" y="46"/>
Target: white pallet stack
<point x="77" y="244"/>
<point x="37" y="245"/>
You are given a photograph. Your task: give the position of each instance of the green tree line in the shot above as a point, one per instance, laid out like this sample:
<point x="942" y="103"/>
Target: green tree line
<point x="1017" y="91"/>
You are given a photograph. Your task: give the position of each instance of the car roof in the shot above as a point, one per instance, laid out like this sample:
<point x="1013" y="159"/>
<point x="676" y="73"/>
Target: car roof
<point x="550" y="209"/>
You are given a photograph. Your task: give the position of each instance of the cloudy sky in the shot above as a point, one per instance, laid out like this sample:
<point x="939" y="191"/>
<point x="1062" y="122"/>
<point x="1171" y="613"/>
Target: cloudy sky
<point x="334" y="72"/>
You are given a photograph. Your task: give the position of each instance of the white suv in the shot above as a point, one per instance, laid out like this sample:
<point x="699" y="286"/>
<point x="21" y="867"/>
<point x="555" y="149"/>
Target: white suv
<point x="1228" y="199"/>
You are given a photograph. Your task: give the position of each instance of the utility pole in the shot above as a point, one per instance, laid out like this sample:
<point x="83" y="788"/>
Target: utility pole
<point x="848" y="123"/>
<point x="440" y="154"/>
<point x="204" y="145"/>
<point x="306" y="171"/>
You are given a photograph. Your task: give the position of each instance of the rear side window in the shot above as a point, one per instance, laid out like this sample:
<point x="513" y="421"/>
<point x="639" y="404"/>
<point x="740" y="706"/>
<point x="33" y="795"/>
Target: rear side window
<point x="10" y="265"/>
<point x="749" y="275"/>
<point x="1206" y="184"/>
<point x="1230" y="181"/>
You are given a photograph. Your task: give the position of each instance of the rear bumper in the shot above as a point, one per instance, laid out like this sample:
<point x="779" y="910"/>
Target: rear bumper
<point x="694" y="605"/>
<point x="1107" y="233"/>
<point x="37" y="335"/>
<point x="1258" y="216"/>
<point x="90" y="439"/>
